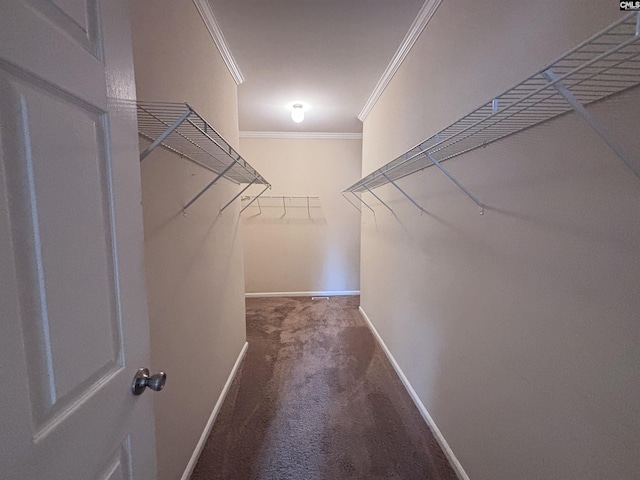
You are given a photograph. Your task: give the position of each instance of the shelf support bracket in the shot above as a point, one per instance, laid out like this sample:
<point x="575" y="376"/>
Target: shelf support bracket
<point x="422" y="210"/>
<point x="256" y="198"/>
<point x="363" y="202"/>
<point x="211" y="184"/>
<point x="239" y="193"/>
<point x="161" y="138"/>
<point x="379" y="199"/>
<point x="354" y="205"/>
<point x="453" y="179"/>
<point x="590" y="120"/>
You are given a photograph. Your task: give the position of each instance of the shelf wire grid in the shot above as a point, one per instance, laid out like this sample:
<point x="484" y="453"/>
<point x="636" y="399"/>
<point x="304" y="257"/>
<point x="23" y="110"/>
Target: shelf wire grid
<point x="284" y="202"/>
<point x="606" y="64"/>
<point x="291" y="200"/>
<point x="194" y="139"/>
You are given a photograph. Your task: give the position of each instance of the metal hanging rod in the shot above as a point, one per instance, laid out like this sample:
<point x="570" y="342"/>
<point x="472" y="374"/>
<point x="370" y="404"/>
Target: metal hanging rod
<point x="363" y="202"/>
<point x="179" y="128"/>
<point x="347" y="199"/>
<point x="403" y="193"/>
<point x="254" y="199"/>
<point x="379" y="199"/>
<point x="606" y="64"/>
<point x="456" y="182"/>
<point x="237" y="195"/>
<point x="578" y="107"/>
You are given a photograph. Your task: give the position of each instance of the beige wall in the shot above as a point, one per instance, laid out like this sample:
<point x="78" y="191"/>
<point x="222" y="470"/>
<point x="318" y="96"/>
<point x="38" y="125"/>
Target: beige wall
<point x="292" y="252"/>
<point x="518" y="329"/>
<point x="194" y="264"/>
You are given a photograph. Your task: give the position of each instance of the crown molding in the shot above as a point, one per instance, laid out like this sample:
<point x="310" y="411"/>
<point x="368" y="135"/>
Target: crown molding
<point x="216" y="33"/>
<point x="418" y="25"/>
<point x="317" y="135"/>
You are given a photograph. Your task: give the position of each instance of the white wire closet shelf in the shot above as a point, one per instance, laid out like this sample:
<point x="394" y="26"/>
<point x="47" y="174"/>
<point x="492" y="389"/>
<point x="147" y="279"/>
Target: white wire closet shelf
<point x="281" y="201"/>
<point x="606" y="64"/>
<point x="179" y="128"/>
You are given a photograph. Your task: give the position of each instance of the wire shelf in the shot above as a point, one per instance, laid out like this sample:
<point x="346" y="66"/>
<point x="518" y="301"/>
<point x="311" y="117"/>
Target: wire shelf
<point x="293" y="200"/>
<point x="281" y="201"/>
<point x="179" y="128"/>
<point x="606" y="64"/>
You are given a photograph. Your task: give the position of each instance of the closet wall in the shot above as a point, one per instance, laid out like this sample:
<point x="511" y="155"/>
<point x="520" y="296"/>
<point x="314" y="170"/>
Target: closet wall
<point x="518" y="329"/>
<point x="194" y="264"/>
<point x="303" y="250"/>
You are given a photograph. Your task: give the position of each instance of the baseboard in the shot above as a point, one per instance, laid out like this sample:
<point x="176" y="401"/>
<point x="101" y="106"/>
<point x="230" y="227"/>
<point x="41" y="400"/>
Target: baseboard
<point x="303" y="294"/>
<point x="207" y="429"/>
<point x="462" y="475"/>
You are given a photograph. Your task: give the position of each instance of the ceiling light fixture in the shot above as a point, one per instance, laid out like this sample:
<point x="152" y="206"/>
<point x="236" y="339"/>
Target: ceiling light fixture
<point x="297" y="112"/>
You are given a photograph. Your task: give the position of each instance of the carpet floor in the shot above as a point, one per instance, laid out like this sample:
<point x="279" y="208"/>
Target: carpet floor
<point x="316" y="398"/>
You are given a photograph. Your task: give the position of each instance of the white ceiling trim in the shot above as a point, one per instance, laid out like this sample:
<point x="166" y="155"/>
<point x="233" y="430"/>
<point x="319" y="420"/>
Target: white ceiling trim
<point x="320" y="135"/>
<point x="216" y="33"/>
<point x="418" y="25"/>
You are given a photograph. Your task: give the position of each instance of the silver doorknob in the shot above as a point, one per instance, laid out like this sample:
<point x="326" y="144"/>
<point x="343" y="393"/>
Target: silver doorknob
<point x="142" y="380"/>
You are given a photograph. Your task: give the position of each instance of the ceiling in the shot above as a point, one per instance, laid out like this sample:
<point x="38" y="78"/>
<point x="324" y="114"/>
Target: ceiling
<point x="329" y="54"/>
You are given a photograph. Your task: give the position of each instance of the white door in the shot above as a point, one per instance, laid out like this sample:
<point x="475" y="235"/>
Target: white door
<point x="73" y="318"/>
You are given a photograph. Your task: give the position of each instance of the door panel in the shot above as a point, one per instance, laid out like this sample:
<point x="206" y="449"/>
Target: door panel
<point x="41" y="45"/>
<point x="77" y="18"/>
<point x="54" y="258"/>
<point x="72" y="293"/>
<point x="78" y="11"/>
<point x="119" y="465"/>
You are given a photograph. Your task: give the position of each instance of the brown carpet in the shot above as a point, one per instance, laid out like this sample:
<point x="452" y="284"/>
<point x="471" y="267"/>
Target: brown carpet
<point x="316" y="398"/>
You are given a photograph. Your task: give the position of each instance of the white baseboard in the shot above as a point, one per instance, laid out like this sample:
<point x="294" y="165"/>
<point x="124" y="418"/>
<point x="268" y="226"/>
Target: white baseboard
<point x="462" y="475"/>
<point x="303" y="294"/>
<point x="207" y="429"/>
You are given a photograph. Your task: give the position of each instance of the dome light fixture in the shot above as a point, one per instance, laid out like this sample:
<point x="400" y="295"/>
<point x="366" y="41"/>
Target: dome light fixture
<point x="297" y="112"/>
